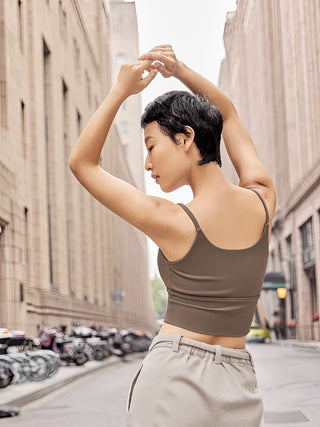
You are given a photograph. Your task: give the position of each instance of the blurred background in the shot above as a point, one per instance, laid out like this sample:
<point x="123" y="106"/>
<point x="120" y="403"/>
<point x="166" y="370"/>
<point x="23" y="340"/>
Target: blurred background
<point x="65" y="260"/>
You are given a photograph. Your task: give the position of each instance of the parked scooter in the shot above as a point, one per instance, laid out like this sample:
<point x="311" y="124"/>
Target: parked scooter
<point x="69" y="349"/>
<point x="20" y="362"/>
<point x="96" y="348"/>
<point x="6" y="374"/>
<point x="117" y="346"/>
<point x="139" y="341"/>
<point x="12" y="341"/>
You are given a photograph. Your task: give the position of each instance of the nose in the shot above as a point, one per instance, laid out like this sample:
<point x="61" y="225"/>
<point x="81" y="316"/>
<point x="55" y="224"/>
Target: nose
<point x="147" y="164"/>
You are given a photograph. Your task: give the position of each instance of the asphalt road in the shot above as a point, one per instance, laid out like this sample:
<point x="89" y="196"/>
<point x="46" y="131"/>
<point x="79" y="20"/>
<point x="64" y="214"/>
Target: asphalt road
<point x="289" y="379"/>
<point x="97" y="400"/>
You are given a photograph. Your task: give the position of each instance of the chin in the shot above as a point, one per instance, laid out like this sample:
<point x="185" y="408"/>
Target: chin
<point x="170" y="189"/>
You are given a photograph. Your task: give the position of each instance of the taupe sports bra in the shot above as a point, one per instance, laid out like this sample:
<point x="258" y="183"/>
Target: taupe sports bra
<point x="212" y="290"/>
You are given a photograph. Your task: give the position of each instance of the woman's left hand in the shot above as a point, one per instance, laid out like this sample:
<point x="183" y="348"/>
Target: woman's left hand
<point x="130" y="80"/>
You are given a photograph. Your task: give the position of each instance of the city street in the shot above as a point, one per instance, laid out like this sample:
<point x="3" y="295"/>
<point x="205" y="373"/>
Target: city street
<point x="97" y="400"/>
<point x="289" y="379"/>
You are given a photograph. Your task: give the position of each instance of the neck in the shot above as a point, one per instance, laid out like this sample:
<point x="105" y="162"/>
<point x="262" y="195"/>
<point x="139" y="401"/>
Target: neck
<point x="206" y="179"/>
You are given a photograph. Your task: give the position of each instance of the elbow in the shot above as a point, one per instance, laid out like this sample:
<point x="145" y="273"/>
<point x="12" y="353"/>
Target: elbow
<point x="72" y="164"/>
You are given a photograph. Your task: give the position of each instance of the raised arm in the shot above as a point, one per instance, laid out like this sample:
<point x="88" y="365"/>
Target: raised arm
<point x="239" y="145"/>
<point x="199" y="84"/>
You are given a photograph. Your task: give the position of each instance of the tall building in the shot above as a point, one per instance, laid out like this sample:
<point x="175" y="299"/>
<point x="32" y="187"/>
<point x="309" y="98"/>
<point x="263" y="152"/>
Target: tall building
<point x="271" y="73"/>
<point x="64" y="258"/>
<point x="125" y="48"/>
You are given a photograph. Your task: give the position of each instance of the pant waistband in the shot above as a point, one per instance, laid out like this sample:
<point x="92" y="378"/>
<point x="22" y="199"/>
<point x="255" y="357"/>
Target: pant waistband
<point x="176" y="340"/>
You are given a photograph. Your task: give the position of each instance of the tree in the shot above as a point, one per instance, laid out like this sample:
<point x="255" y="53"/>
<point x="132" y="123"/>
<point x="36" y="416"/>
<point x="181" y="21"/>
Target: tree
<point x="159" y="296"/>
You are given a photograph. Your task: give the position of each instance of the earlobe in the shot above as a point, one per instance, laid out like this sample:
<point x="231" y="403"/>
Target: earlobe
<point x="189" y="132"/>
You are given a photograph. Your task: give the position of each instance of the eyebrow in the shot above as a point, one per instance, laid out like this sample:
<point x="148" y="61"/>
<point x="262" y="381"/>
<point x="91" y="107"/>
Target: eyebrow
<point x="148" y="137"/>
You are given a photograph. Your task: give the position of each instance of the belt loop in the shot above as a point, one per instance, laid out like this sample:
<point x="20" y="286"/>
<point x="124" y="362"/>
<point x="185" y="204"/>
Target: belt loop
<point x="218" y="354"/>
<point x="176" y="342"/>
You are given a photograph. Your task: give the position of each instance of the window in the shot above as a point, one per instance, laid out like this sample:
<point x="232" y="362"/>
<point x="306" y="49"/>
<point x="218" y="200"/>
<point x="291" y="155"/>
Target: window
<point x="291" y="263"/>
<point x="88" y="83"/>
<point x="79" y="123"/>
<point x="23" y="127"/>
<point x="273" y="261"/>
<point x="63" y="21"/>
<point x="20" y="28"/>
<point x="307" y="244"/>
<point x="76" y="58"/>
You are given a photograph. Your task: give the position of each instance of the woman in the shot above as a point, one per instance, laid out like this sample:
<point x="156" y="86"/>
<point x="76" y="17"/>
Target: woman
<point x="212" y="252"/>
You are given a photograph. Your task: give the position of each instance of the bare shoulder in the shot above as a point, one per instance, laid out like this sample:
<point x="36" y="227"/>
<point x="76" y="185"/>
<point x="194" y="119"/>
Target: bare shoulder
<point x="268" y="194"/>
<point x="166" y="222"/>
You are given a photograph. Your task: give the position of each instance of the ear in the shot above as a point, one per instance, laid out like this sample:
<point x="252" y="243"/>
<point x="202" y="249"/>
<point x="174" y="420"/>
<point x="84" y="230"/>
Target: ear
<point x="185" y="139"/>
<point x="188" y="138"/>
<point x="189" y="133"/>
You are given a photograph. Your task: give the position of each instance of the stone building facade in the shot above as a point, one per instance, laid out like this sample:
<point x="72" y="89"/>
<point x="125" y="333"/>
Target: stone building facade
<point x="272" y="74"/>
<point x="64" y="258"/>
<point x="125" y="48"/>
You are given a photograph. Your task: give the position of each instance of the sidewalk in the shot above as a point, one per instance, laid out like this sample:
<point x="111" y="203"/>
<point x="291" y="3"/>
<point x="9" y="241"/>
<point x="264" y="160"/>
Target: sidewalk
<point x="21" y="394"/>
<point x="307" y="345"/>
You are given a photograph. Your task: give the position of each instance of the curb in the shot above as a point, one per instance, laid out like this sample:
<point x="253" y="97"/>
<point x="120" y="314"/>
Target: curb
<point x="312" y="346"/>
<point x="29" y="397"/>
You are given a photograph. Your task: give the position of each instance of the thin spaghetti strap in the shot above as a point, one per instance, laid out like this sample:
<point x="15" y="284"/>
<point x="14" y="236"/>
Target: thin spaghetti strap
<point x="264" y="204"/>
<point x="190" y="215"/>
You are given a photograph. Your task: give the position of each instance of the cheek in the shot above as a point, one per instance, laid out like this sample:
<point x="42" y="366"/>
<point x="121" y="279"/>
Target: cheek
<point x="174" y="168"/>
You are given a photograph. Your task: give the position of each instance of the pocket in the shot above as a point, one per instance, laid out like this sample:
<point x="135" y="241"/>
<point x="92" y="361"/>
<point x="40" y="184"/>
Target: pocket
<point x="251" y="361"/>
<point x="253" y="377"/>
<point x="252" y="367"/>
<point x="132" y="384"/>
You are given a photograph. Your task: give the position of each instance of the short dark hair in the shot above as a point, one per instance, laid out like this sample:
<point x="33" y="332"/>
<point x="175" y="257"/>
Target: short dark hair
<point x="176" y="109"/>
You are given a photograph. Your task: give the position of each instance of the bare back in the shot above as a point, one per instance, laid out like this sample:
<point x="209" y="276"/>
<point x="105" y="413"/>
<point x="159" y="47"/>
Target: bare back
<point x="233" y="220"/>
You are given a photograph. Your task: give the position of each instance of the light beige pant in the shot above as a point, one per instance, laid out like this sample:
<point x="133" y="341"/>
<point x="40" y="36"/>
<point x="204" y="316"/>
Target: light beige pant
<point x="187" y="383"/>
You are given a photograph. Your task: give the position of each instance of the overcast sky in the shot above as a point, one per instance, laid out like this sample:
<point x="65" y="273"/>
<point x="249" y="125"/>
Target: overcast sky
<point x="195" y="31"/>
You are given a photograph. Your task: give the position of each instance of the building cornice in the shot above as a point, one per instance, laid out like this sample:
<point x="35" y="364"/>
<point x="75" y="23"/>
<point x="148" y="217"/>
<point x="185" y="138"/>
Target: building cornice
<point x="301" y="192"/>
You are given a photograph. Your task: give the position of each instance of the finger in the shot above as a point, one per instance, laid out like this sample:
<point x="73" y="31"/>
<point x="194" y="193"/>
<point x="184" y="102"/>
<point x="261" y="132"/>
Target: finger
<point x="165" y="49"/>
<point x="166" y="54"/>
<point x="149" y="77"/>
<point x="165" y="45"/>
<point x="156" y="56"/>
<point x="161" y="47"/>
<point x="162" y="69"/>
<point x="162" y="50"/>
<point x="145" y="63"/>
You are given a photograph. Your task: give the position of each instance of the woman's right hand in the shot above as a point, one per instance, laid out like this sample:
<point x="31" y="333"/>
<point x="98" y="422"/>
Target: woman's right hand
<point x="168" y="66"/>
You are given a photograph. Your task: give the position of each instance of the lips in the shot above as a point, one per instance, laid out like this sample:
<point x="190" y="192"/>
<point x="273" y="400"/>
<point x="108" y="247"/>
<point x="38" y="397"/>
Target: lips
<point x="154" y="176"/>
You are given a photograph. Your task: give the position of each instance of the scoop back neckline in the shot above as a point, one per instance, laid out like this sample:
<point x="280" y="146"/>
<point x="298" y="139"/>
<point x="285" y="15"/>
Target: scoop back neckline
<point x="198" y="232"/>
